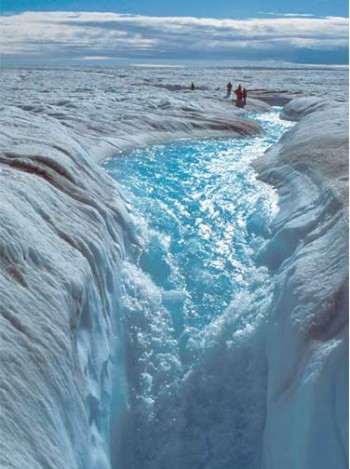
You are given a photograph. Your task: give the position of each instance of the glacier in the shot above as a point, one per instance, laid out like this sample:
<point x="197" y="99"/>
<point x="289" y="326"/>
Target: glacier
<point x="65" y="233"/>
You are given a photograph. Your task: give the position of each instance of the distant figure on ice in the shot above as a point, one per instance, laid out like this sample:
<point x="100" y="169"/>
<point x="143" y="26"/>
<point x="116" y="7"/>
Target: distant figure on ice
<point x="244" y="96"/>
<point x="239" y="96"/>
<point x="192" y="87"/>
<point x="229" y="89"/>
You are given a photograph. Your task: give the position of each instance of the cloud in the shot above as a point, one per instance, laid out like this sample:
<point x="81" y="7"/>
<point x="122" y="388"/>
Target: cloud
<point x="49" y="36"/>
<point x="287" y="15"/>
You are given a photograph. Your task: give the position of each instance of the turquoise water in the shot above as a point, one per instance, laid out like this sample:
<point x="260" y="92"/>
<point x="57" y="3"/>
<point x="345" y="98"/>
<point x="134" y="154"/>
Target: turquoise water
<point x="191" y="287"/>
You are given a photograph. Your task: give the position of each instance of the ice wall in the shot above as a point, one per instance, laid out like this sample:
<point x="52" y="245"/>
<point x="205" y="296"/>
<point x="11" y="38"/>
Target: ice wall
<point x="62" y="230"/>
<point x="307" y="339"/>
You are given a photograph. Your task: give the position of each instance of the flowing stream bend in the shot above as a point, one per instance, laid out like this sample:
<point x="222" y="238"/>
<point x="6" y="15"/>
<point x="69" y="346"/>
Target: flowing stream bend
<point x="195" y="302"/>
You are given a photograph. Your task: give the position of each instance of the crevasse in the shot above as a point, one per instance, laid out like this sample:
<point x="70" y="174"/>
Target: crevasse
<point x="195" y="303"/>
<point x="269" y="391"/>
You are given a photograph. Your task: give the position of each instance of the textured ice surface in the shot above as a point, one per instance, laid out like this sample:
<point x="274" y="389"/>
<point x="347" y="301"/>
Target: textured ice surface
<point x="61" y="241"/>
<point x="321" y="142"/>
<point x="63" y="230"/>
<point x="119" y="108"/>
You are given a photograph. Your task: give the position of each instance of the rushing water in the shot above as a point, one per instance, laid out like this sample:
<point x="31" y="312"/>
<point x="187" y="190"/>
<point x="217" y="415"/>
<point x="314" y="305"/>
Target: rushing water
<point x="194" y="303"/>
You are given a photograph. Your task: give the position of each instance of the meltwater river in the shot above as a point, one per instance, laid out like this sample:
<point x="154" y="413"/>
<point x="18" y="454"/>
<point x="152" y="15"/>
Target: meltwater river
<point x="195" y="300"/>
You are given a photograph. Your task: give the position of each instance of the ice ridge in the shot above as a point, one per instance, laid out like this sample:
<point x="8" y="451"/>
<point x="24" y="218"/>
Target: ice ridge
<point x="307" y="339"/>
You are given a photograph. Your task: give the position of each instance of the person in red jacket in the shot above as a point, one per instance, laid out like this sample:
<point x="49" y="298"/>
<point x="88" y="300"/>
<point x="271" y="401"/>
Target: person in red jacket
<point x="239" y="96"/>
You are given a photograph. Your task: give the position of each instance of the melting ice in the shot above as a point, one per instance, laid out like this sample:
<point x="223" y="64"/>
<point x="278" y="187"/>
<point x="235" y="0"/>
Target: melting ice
<point x="194" y="303"/>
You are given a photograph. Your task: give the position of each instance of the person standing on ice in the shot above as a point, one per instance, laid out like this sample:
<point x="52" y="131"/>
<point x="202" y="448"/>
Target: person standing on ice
<point x="244" y="96"/>
<point x="192" y="87"/>
<point x="239" y="96"/>
<point x="229" y="89"/>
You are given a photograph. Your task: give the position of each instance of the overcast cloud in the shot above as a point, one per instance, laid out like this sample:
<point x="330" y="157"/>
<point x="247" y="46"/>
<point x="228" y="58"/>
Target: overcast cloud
<point x="41" y="36"/>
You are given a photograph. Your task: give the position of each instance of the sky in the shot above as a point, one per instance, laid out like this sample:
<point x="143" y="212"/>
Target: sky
<point x="195" y="32"/>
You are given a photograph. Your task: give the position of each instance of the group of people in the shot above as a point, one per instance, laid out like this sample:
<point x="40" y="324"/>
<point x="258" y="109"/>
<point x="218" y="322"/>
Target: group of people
<point x="241" y="94"/>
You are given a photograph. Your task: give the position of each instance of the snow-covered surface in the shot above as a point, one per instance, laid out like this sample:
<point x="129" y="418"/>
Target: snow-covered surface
<point x="63" y="229"/>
